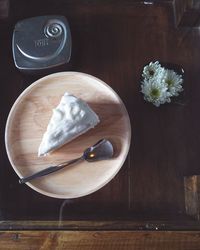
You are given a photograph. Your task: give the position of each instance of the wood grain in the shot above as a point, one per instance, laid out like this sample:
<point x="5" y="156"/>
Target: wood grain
<point x="103" y="225"/>
<point x="4" y="8"/>
<point x="71" y="240"/>
<point x="192" y="196"/>
<point x="187" y="13"/>
<point x="30" y="116"/>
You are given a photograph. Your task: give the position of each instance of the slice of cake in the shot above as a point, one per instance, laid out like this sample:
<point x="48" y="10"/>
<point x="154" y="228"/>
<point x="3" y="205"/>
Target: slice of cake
<point x="71" y="118"/>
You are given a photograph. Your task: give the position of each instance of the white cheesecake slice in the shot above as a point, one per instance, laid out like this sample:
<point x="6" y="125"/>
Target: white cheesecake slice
<point x="71" y="118"/>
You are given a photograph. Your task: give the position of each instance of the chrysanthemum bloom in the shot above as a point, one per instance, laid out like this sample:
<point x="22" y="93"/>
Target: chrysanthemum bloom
<point x="155" y="91"/>
<point x="173" y="81"/>
<point x="152" y="70"/>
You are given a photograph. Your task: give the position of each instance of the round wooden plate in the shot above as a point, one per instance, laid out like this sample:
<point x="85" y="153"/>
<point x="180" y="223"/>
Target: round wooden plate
<point x="28" y="120"/>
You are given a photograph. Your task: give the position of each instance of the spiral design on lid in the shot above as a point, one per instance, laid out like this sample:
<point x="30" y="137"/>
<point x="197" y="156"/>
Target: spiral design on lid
<point x="53" y="30"/>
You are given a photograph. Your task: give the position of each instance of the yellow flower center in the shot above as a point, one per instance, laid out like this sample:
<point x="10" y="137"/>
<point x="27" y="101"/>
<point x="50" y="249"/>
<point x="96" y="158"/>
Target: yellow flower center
<point x="151" y="72"/>
<point x="169" y="82"/>
<point x="155" y="93"/>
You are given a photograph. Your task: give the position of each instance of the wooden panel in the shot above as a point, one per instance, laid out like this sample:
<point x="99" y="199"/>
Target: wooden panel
<point x="192" y="195"/>
<point x="4" y="8"/>
<point x="179" y="10"/>
<point x="91" y="225"/>
<point x="190" y="18"/>
<point x="50" y="240"/>
<point x="187" y="13"/>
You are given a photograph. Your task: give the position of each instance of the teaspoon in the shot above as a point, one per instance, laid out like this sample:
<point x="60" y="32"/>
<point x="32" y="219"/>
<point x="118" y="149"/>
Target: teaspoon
<point x="102" y="150"/>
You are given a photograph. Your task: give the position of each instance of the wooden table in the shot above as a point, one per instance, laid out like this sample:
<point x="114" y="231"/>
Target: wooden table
<point x="153" y="202"/>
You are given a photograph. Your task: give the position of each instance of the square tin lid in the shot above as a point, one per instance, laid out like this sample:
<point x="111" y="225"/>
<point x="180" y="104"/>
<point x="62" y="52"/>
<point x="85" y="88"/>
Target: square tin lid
<point x="41" y="43"/>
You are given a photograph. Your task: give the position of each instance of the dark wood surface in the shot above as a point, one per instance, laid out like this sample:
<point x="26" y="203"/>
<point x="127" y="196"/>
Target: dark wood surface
<point x="192" y="197"/>
<point x="4" y="9"/>
<point x="113" y="40"/>
<point x="187" y="13"/>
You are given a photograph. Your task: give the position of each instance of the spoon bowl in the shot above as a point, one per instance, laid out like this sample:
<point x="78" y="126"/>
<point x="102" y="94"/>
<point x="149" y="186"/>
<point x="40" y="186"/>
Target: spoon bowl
<point x="102" y="150"/>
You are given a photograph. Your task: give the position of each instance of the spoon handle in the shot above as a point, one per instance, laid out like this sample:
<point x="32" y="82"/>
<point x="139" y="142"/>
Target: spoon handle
<point x="48" y="170"/>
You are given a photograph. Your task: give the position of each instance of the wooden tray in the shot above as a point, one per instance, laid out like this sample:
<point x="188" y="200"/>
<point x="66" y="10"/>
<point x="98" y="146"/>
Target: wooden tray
<point x="28" y="120"/>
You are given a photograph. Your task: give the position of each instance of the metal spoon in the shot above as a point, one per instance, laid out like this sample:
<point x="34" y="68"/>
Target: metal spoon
<point x="102" y="150"/>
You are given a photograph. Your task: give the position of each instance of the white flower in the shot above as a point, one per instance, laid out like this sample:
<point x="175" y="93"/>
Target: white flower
<point x="152" y="70"/>
<point x="173" y="81"/>
<point x="160" y="84"/>
<point x="155" y="91"/>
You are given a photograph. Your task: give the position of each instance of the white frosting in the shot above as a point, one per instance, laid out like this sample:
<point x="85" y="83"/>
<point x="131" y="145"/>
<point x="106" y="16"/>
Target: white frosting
<point x="71" y="118"/>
